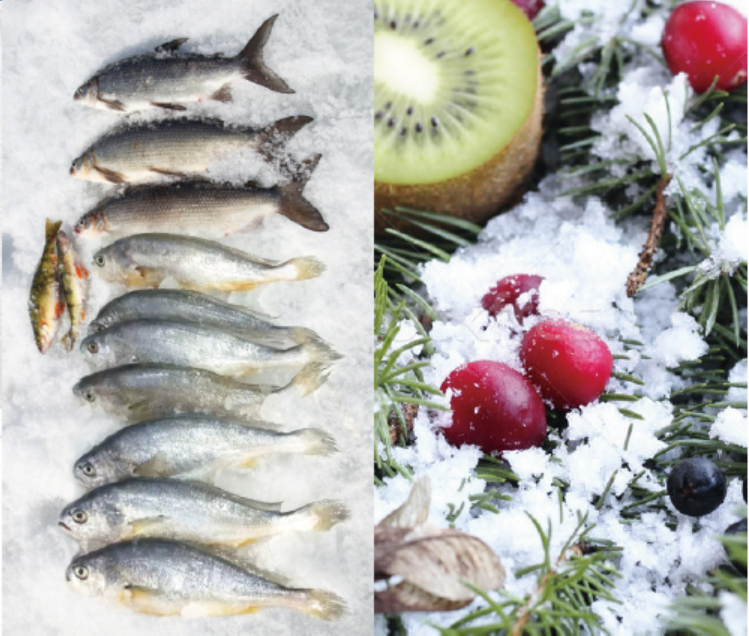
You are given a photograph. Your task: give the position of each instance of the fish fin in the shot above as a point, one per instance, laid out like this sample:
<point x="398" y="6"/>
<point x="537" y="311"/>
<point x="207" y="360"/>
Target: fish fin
<point x="169" y="173"/>
<point x="317" y="442"/>
<point x="325" y="605"/>
<point x="141" y="527"/>
<point x="110" y="175"/>
<point x="294" y="206"/>
<point x="223" y="94"/>
<point x="143" y="277"/>
<point x="168" y="106"/>
<point x="113" y="104"/>
<point x="147" y="601"/>
<point x="69" y="339"/>
<point x="306" y="267"/>
<point x="311" y="377"/>
<point x="279" y="132"/>
<point x="240" y="286"/>
<point x="328" y="513"/>
<point x="252" y="63"/>
<point x="171" y="46"/>
<point x="154" y="467"/>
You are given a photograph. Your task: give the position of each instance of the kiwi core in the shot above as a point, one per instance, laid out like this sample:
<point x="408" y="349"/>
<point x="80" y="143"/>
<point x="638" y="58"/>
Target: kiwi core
<point x="454" y="83"/>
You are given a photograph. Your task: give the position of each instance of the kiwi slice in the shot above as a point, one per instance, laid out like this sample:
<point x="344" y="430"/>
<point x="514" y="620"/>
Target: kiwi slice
<point x="458" y="105"/>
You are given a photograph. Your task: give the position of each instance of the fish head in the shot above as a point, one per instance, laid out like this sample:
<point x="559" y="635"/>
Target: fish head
<point x="87" y="574"/>
<point x="86" y="389"/>
<point x="99" y="467"/>
<point x="88" y="93"/>
<point x="44" y="334"/>
<point x="82" y="166"/>
<point x="93" y="517"/>
<point x="116" y="263"/>
<point x="96" y="350"/>
<point x="91" y="223"/>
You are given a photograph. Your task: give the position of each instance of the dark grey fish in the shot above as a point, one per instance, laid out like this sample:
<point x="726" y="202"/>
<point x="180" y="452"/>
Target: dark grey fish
<point x="176" y="148"/>
<point x="202" y="208"/>
<point x="166" y="79"/>
<point x="166" y="578"/>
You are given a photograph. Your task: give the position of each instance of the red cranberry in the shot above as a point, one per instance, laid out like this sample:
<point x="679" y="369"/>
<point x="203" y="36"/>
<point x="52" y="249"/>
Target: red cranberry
<point x="569" y="364"/>
<point x="531" y="8"/>
<point x="508" y="290"/>
<point x="704" y="39"/>
<point x="494" y="407"/>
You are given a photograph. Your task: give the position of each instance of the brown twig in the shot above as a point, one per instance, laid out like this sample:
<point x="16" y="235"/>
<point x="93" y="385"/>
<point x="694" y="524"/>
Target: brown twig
<point x="524" y="615"/>
<point x="637" y="277"/>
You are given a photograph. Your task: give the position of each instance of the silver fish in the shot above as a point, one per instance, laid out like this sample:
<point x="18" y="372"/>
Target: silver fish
<point x="189" y="446"/>
<point x="189" y="345"/>
<point x="145" y="260"/>
<point x="202" y="208"/>
<point x="187" y="511"/>
<point x="190" y="306"/>
<point x="140" y="391"/>
<point x="175" y="148"/>
<point x="166" y="578"/>
<point x="165" y="79"/>
<point x="74" y="278"/>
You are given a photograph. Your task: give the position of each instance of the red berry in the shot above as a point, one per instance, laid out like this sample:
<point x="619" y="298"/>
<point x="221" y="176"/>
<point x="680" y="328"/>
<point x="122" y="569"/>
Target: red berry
<point x="529" y="7"/>
<point x="569" y="364"/>
<point x="704" y="39"/>
<point x="494" y="407"/>
<point x="508" y="290"/>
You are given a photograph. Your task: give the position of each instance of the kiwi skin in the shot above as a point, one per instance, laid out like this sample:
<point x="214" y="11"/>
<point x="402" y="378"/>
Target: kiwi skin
<point x="475" y="195"/>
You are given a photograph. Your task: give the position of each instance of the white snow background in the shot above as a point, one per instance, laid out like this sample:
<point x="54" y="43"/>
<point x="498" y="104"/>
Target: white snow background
<point x="585" y="258"/>
<point x="324" y="51"/>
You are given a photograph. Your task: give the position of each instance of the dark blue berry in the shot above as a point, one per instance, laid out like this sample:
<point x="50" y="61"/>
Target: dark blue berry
<point x="696" y="486"/>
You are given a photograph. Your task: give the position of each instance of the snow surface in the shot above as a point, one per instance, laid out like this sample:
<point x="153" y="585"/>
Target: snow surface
<point x="324" y="51"/>
<point x="585" y="259"/>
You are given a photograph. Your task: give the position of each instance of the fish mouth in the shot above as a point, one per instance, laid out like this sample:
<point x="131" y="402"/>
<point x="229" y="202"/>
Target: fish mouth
<point x="64" y="527"/>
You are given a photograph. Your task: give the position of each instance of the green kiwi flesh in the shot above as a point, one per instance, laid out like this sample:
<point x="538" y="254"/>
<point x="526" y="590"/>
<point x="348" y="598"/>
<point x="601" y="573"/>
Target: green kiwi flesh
<point x="456" y="85"/>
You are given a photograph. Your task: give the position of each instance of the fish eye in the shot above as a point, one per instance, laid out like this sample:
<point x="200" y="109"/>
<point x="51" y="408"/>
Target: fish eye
<point x="80" y="516"/>
<point x="89" y="395"/>
<point x="88" y="469"/>
<point x="99" y="260"/>
<point x="93" y="348"/>
<point x="81" y="572"/>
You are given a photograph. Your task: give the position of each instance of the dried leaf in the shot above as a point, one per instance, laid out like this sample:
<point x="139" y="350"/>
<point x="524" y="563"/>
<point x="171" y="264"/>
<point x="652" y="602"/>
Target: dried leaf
<point x="415" y="510"/>
<point x="432" y="562"/>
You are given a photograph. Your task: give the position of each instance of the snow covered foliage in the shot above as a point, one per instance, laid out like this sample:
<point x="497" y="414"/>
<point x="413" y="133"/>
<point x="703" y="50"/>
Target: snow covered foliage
<point x="679" y="382"/>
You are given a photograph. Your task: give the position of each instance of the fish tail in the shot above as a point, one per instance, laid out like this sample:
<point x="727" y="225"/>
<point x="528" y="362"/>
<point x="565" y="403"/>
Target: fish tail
<point x="319" y="351"/>
<point x="325" y="605"/>
<point x="274" y="135"/>
<point x="302" y="335"/>
<point x="311" y="377"/>
<point x="294" y="206"/>
<point x="306" y="267"/>
<point x="317" y="442"/>
<point x="328" y="513"/>
<point x="51" y="229"/>
<point x="254" y="67"/>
